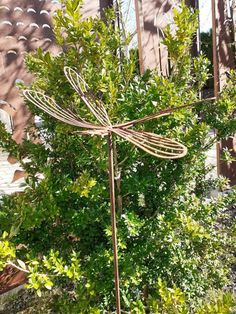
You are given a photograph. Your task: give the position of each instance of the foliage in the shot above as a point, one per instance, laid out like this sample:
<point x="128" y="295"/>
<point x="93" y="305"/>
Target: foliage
<point x="7" y="251"/>
<point x="167" y="227"/>
<point x="207" y="50"/>
<point x="173" y="301"/>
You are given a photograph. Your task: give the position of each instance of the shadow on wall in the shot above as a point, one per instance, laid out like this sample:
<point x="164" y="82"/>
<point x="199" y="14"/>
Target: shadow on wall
<point x="226" y="38"/>
<point x="103" y="4"/>
<point x="226" y="63"/>
<point x="155" y="15"/>
<point x="24" y="26"/>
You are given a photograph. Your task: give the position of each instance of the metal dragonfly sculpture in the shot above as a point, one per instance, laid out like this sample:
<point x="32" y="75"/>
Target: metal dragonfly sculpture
<point x="151" y="143"/>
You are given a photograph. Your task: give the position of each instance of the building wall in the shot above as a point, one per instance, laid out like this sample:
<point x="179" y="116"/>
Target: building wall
<point x="26" y="25"/>
<point x="226" y="62"/>
<point x="152" y="17"/>
<point x="225" y="38"/>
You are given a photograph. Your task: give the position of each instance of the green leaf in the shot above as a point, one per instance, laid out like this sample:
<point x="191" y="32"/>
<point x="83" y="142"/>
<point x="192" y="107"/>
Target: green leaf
<point x="21" y="264"/>
<point x="4" y="235"/>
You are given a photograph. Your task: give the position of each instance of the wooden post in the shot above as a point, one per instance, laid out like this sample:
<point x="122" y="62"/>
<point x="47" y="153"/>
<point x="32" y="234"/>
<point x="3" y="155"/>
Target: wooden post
<point x="152" y="17"/>
<point x="215" y="72"/>
<point x="224" y="61"/>
<point x="139" y="25"/>
<point x="215" y="50"/>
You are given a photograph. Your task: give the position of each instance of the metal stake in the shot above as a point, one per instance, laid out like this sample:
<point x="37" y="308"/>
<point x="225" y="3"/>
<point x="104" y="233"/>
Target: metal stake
<point x="113" y="220"/>
<point x="215" y="49"/>
<point x="216" y="73"/>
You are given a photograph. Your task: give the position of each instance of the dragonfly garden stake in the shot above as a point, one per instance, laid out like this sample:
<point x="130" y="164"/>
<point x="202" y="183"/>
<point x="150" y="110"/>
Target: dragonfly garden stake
<point x="151" y="143"/>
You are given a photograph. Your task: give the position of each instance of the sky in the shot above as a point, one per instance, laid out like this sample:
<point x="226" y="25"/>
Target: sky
<point x="205" y="15"/>
<point x="129" y="19"/>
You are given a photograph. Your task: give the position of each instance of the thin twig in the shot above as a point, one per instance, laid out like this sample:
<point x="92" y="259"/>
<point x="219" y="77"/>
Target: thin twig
<point x="18" y="267"/>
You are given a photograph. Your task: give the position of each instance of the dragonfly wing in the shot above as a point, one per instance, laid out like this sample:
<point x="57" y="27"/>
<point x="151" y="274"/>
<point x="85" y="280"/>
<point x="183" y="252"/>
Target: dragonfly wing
<point x="48" y="105"/>
<point x="151" y="143"/>
<point x="81" y="87"/>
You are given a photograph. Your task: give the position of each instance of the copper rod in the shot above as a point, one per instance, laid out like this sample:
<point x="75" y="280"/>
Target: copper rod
<point x="215" y="52"/>
<point x="139" y="28"/>
<point x="113" y="220"/>
<point x="161" y="113"/>
<point x="216" y="73"/>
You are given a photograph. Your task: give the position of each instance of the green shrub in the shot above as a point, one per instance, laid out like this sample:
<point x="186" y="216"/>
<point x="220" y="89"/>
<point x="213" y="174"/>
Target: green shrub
<point x="174" y="301"/>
